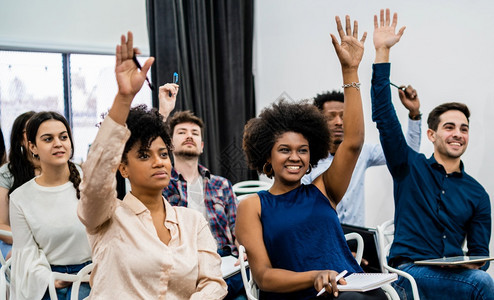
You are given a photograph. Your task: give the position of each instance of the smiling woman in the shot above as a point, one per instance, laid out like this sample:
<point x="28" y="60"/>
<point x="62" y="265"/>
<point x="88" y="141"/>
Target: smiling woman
<point x="47" y="236"/>
<point x="283" y="142"/>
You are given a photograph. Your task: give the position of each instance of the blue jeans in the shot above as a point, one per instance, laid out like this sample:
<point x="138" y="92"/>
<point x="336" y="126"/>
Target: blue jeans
<point x="445" y="283"/>
<point x="64" y="293"/>
<point x="5" y="248"/>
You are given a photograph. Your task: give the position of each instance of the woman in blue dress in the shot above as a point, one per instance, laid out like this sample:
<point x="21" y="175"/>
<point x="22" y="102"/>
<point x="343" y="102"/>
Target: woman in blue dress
<point x="291" y="232"/>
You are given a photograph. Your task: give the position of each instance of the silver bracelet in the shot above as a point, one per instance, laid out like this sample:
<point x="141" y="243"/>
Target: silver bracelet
<point x="353" y="84"/>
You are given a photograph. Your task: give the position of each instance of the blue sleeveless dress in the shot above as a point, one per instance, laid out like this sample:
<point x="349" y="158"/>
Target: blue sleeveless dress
<point x="302" y="232"/>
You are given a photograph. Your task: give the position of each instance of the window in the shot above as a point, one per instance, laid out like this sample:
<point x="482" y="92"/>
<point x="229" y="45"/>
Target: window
<point x="34" y="81"/>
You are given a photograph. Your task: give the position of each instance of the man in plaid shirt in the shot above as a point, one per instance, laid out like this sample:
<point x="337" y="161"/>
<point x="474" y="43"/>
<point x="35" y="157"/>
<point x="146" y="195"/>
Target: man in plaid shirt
<point x="193" y="186"/>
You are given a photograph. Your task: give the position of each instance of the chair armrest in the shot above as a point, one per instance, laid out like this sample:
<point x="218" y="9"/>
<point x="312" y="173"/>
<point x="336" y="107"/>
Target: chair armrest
<point x="59" y="276"/>
<point x="360" y="244"/>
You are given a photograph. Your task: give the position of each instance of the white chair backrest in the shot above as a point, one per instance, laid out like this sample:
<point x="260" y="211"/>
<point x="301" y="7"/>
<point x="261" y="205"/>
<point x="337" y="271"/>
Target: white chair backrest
<point x="250" y="186"/>
<point x="4" y="280"/>
<point x="360" y="244"/>
<point x="76" y="279"/>
<point x="385" y="233"/>
<point x="250" y="286"/>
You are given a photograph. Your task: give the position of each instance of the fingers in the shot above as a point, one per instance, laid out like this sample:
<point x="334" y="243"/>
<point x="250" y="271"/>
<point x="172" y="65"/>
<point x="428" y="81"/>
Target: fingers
<point x="364" y="36"/>
<point x="348" y="25"/>
<point x="375" y="22"/>
<point x="332" y="281"/>
<point x="334" y="40"/>
<point x="395" y="20"/>
<point x="169" y="88"/>
<point x="355" y="29"/>
<point x="401" y="31"/>
<point x="118" y="55"/>
<point x="123" y="47"/>
<point x="147" y="65"/>
<point x="388" y="19"/>
<point x="130" y="44"/>
<point x="339" y="28"/>
<point x="381" y="20"/>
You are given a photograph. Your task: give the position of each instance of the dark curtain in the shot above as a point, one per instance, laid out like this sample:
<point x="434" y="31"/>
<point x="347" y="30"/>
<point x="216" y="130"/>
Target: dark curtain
<point x="209" y="43"/>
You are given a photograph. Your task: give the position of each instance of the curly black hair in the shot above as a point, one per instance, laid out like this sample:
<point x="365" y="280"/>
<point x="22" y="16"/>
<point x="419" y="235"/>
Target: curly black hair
<point x="261" y="133"/>
<point x="322" y="98"/>
<point x="145" y="126"/>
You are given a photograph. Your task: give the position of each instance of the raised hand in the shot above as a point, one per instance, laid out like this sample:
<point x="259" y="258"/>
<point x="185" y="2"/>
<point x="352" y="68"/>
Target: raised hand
<point x="167" y="102"/>
<point x="384" y="32"/>
<point x="129" y="77"/>
<point x="410" y="99"/>
<point x="351" y="50"/>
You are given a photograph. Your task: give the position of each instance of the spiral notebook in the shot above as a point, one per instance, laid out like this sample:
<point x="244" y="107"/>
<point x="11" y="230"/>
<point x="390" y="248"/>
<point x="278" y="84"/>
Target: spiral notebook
<point x="363" y="282"/>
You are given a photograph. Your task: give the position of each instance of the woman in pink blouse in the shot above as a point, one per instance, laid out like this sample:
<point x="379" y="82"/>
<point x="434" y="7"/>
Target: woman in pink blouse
<point x="143" y="248"/>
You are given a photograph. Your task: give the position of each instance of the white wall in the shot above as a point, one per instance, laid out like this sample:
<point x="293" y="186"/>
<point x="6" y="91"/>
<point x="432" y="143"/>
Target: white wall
<point x="88" y="26"/>
<point x="446" y="53"/>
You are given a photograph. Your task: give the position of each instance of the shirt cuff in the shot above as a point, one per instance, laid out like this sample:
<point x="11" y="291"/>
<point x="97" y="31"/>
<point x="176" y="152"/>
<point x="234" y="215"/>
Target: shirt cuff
<point x="382" y="69"/>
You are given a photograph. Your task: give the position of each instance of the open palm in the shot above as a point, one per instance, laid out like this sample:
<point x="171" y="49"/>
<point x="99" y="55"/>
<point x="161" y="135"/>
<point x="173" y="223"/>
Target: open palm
<point x="351" y="50"/>
<point x="384" y="31"/>
<point x="129" y="78"/>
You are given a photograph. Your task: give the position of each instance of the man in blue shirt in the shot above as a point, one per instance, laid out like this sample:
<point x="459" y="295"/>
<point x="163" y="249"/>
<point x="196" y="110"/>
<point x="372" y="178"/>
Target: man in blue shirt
<point x="437" y="204"/>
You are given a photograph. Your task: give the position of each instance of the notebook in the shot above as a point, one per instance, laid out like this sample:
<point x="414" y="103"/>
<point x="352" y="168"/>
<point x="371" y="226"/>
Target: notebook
<point x="454" y="260"/>
<point x="228" y="267"/>
<point x="363" y="282"/>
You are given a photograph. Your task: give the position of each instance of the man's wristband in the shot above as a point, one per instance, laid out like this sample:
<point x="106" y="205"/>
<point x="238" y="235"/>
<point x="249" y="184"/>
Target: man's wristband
<point x="415" y="117"/>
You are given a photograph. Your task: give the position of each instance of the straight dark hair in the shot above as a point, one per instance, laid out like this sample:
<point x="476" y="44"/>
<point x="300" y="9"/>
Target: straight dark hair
<point x="20" y="166"/>
<point x="435" y="114"/>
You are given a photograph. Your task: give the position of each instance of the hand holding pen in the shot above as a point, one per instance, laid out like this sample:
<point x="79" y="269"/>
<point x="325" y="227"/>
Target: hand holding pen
<point x="167" y="97"/>
<point x="407" y="90"/>
<point x="410" y="99"/>
<point x="336" y="279"/>
<point x="129" y="77"/>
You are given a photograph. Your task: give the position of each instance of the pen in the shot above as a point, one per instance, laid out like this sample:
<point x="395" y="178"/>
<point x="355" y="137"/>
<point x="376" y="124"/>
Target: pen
<point x="400" y="88"/>
<point x="338" y="277"/>
<point x="175" y="80"/>
<point x="134" y="58"/>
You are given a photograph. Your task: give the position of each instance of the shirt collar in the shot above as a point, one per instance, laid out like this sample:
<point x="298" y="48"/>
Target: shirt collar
<point x="434" y="164"/>
<point x="138" y="207"/>
<point x="202" y="170"/>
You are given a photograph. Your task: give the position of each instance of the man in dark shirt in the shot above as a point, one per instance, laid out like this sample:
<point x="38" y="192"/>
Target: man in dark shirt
<point x="437" y="204"/>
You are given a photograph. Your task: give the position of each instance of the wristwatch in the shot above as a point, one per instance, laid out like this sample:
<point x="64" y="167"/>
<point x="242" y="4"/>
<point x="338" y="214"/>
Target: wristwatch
<point x="415" y="117"/>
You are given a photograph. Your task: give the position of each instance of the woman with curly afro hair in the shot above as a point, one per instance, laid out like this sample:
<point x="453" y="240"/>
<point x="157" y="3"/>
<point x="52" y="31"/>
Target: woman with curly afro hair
<point x="291" y="232"/>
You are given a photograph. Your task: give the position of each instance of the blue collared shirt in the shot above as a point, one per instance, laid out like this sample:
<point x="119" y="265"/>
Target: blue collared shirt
<point x="434" y="211"/>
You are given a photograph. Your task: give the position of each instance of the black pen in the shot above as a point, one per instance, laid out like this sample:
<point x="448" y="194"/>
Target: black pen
<point x="400" y="88"/>
<point x="134" y="58"/>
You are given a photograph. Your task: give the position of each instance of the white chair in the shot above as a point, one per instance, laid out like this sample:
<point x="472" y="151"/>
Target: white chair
<point x="250" y="286"/>
<point x="76" y="279"/>
<point x="4" y="282"/>
<point x="250" y="186"/>
<point x="385" y="233"/>
<point x="251" y="289"/>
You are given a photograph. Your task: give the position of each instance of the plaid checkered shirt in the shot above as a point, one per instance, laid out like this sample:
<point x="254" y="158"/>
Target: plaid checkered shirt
<point x="221" y="205"/>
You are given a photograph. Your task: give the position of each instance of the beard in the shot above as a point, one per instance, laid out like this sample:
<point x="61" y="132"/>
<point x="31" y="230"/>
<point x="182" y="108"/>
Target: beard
<point x="187" y="154"/>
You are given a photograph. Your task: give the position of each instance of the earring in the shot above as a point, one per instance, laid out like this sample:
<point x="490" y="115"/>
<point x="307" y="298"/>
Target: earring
<point x="22" y="149"/>
<point x="265" y="170"/>
<point x="309" y="169"/>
